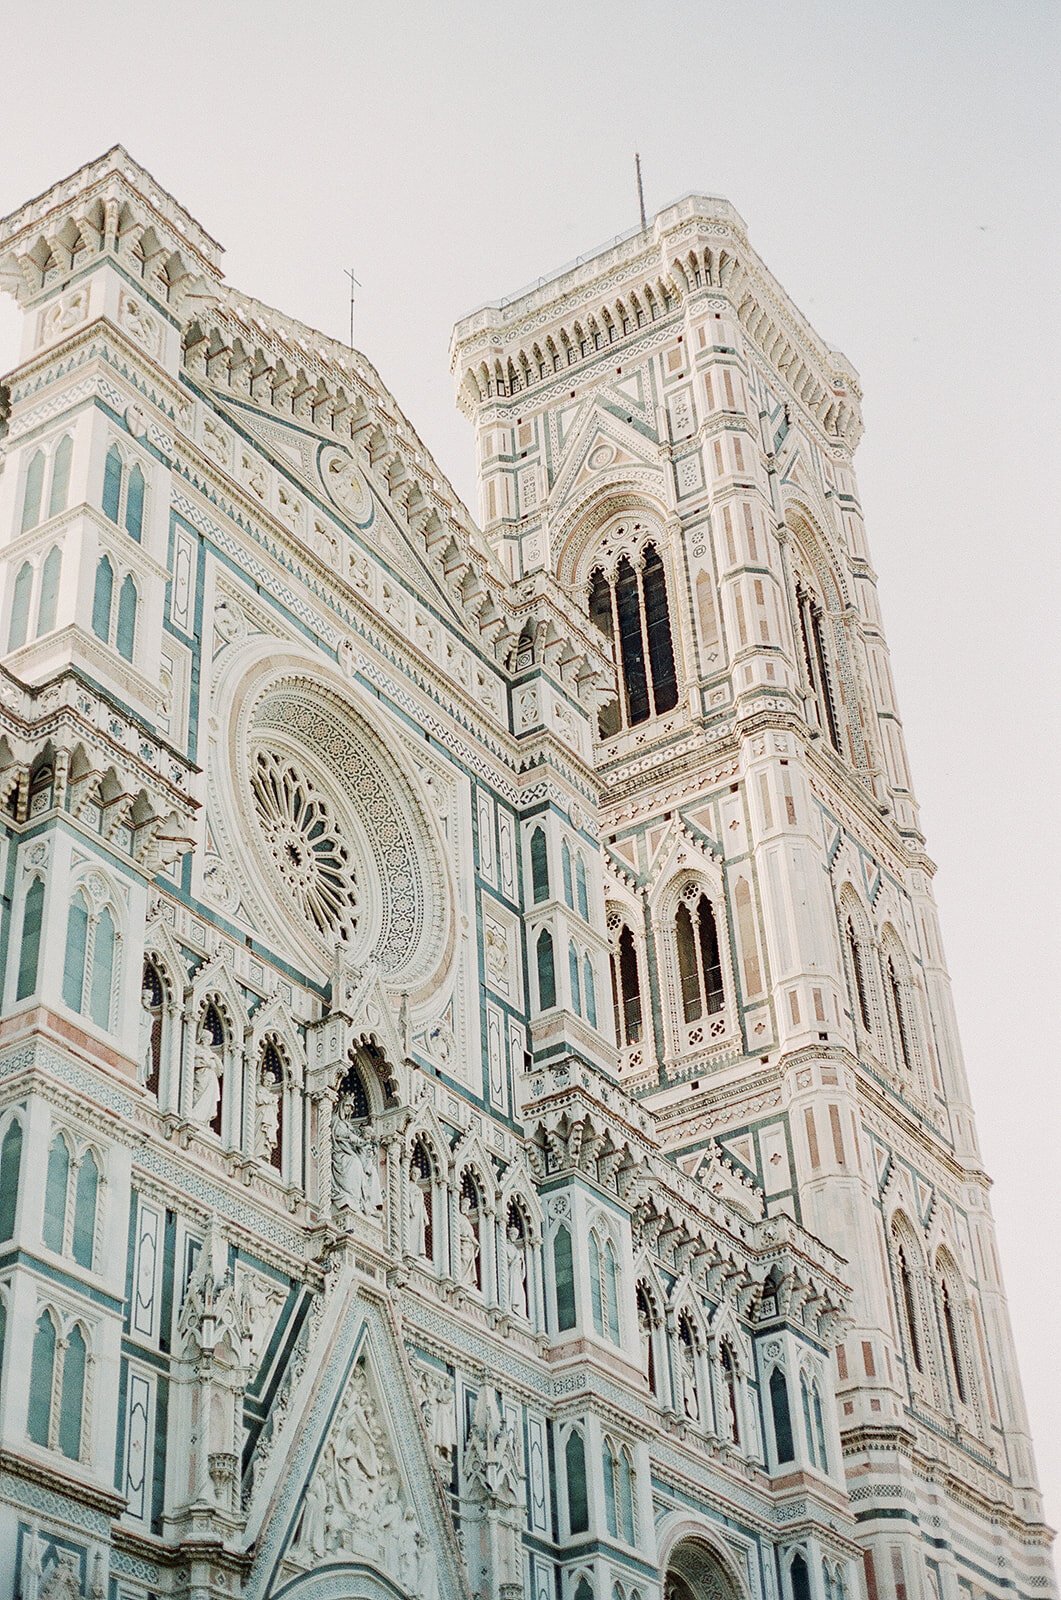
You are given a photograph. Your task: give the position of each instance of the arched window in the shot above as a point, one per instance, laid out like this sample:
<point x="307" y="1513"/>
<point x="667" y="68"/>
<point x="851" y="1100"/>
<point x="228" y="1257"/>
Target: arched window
<point x="565" y="870"/>
<point x="898" y="1014"/>
<point x="575" y="1473"/>
<point x="589" y="991"/>
<point x="102" y="597"/>
<point x="49" y="597"/>
<point x="546" y="971"/>
<point x="799" y="1578"/>
<point x="950" y="1330"/>
<point x="611" y="1473"/>
<point x="112" y="484"/>
<point x="564" y="1279"/>
<point x="41" y="1379"/>
<point x="10" y="1172"/>
<point x="102" y="970"/>
<point x="816" y="660"/>
<point x="134" y="503"/>
<point x="29" y="953"/>
<point x="469" y="1235"/>
<point x="819" y="1427"/>
<point x="858" y="972"/>
<point x="85" y="1193"/>
<point x="908" y="1291"/>
<point x="56" y="1186"/>
<point x="729" y="1385"/>
<point x="72" y="1401"/>
<point x="611" y="1294"/>
<point x="212" y="1035"/>
<point x="699" y="962"/>
<point x="626" y="990"/>
<point x="20" y="599"/>
<point x="31" y="498"/>
<point x="690" y="1388"/>
<point x="64" y="451"/>
<point x="782" y="1416"/>
<point x="125" y="634"/>
<point x="596" y="1285"/>
<point x="88" y="969"/>
<point x="539" y="851"/>
<point x="573" y="974"/>
<point x="631" y="609"/>
<point x="804" y="1391"/>
<point x="581" y="887"/>
<point x="627" y="1522"/>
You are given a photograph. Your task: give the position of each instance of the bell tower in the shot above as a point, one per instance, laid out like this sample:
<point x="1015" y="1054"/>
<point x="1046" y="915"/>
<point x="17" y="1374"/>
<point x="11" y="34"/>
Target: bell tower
<point x="661" y="431"/>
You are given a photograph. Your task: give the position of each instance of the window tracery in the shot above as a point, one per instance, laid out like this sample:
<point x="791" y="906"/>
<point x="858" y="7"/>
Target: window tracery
<point x="630" y="606"/>
<point x="311" y="859"/>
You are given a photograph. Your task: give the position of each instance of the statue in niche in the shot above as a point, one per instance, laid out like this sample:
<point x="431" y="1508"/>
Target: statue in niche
<point x="206" y="1085"/>
<point x="516" y="1260"/>
<point x="419" y="1221"/>
<point x="355" y="1169"/>
<point x="468" y="1244"/>
<point x="146" y="1064"/>
<point x="267" y="1114"/>
<point x="690" y="1398"/>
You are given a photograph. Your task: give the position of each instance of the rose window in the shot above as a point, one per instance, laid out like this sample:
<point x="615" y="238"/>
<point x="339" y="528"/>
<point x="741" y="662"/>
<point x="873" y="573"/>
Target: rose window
<point x="311" y="859"/>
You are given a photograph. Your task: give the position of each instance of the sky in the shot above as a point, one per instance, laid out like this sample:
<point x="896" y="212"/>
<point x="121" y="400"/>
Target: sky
<point x="896" y="164"/>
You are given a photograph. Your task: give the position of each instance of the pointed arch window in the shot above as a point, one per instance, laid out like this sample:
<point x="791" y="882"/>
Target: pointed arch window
<point x="270" y="1130"/>
<point x="804" y="1390"/>
<point x="581" y="887"/>
<point x="589" y="991"/>
<point x="611" y="1473"/>
<point x="897" y="1001"/>
<point x="859" y="974"/>
<point x="34" y="489"/>
<point x="819" y="1427"/>
<point x="564" y="1279"/>
<point x="699" y="961"/>
<point x="125" y="632"/>
<point x="10" y="1173"/>
<point x="56" y="1188"/>
<point x="565" y="870"/>
<point x="909" y="1292"/>
<point x="42" y="1379"/>
<point x="950" y="1330"/>
<point x="20" y="601"/>
<point x="86" y="1191"/>
<point x="546" y="970"/>
<point x="626" y="989"/>
<point x="72" y="1394"/>
<point x="64" y="452"/>
<point x="539" y="852"/>
<point x="799" y="1578"/>
<point x="816" y="660"/>
<point x="29" y="952"/>
<point x="575" y="1473"/>
<point x="123" y="493"/>
<point x="102" y="598"/>
<point x="782" y="1416"/>
<point x="573" y="974"/>
<point x="49" y="595"/>
<point x="632" y="610"/>
<point x="88" y="969"/>
<point x="627" y="1520"/>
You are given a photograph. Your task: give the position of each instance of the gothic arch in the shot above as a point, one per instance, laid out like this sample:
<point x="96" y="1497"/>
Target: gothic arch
<point x="584" y="528"/>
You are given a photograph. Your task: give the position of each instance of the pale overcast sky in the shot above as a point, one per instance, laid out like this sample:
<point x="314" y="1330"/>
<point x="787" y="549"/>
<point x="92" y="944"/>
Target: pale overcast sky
<point x="897" y="166"/>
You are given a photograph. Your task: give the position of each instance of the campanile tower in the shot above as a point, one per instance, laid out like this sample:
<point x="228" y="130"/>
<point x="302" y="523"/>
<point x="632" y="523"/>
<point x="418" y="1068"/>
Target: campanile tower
<point x="660" y="429"/>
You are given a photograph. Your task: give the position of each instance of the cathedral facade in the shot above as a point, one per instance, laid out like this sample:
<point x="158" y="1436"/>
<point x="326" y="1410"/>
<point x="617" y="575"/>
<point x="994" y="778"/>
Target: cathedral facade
<point x="481" y="1115"/>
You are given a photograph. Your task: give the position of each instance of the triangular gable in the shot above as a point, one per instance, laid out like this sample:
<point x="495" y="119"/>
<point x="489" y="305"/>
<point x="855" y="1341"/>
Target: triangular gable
<point x="356" y="1485"/>
<point x="597" y="446"/>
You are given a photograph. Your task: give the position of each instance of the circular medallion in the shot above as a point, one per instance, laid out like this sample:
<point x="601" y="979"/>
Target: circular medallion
<point x="344" y="484"/>
<point x="602" y="455"/>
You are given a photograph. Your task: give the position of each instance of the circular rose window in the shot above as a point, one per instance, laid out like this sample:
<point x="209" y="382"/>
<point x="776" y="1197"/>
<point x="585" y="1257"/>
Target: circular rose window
<point x="311" y="859"/>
